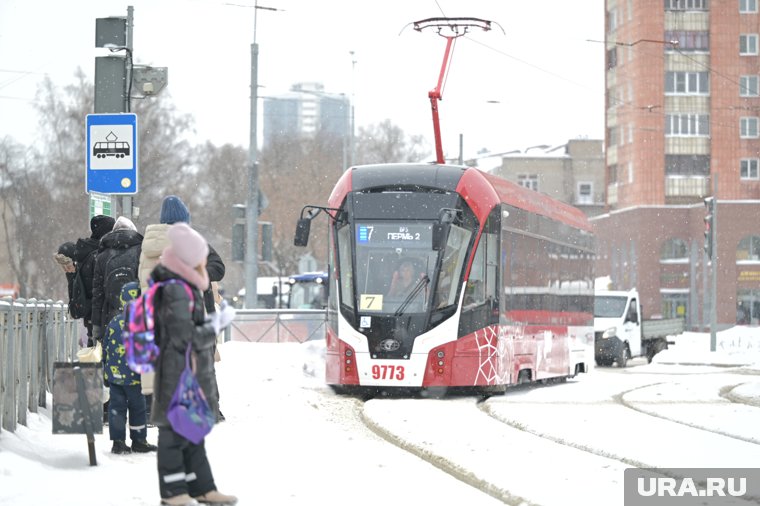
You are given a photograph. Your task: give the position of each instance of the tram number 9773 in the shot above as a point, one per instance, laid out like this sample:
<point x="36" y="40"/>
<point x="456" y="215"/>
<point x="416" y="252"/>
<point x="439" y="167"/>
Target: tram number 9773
<point x="388" y="372"/>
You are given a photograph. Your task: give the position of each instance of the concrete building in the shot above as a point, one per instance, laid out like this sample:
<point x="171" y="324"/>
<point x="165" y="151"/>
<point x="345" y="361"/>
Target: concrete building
<point x="304" y="111"/>
<point x="572" y="172"/>
<point x="683" y="124"/>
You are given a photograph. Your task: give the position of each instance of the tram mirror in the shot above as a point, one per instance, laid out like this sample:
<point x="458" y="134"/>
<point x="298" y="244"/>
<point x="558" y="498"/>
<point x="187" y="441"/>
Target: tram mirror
<point x="440" y="234"/>
<point x="302" y="232"/>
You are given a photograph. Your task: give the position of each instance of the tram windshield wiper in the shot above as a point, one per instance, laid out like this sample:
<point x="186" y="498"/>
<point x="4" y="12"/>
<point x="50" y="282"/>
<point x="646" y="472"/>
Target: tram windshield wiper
<point x="421" y="284"/>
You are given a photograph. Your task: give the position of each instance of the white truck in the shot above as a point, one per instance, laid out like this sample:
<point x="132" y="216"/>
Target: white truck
<point x="620" y="333"/>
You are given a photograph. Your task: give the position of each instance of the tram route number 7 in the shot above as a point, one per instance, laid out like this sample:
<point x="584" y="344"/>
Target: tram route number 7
<point x="388" y="372"/>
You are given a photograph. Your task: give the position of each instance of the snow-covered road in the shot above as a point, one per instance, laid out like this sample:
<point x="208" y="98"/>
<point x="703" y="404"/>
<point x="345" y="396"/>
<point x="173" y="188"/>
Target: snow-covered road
<point x="289" y="439"/>
<point x="545" y="444"/>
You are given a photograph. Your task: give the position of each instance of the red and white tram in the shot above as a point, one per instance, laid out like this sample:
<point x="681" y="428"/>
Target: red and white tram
<point x="503" y="280"/>
<point x="446" y="276"/>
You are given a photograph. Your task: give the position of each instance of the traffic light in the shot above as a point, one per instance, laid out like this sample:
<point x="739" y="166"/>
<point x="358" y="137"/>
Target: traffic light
<point x="238" y="233"/>
<point x="266" y="240"/>
<point x="709" y="226"/>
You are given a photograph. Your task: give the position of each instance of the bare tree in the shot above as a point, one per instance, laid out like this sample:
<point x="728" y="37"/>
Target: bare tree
<point x="387" y="143"/>
<point x="166" y="157"/>
<point x="297" y="171"/>
<point x="221" y="181"/>
<point x="44" y="199"/>
<point x="26" y="223"/>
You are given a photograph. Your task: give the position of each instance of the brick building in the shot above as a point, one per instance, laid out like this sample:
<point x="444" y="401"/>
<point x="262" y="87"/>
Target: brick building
<point x="682" y="124"/>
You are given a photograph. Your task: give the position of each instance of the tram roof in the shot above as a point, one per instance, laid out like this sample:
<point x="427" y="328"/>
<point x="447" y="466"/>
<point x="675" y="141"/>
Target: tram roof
<point x="450" y="178"/>
<point x="537" y="202"/>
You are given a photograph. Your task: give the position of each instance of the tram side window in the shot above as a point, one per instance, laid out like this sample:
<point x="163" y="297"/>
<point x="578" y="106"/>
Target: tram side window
<point x="481" y="284"/>
<point x="526" y="278"/>
<point x="474" y="294"/>
<point x="332" y="289"/>
<point x="451" y="267"/>
<point x="344" y="266"/>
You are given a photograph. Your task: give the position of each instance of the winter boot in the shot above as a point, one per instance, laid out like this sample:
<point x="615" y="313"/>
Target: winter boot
<point x="120" y="447"/>
<point x="179" y="500"/>
<point x="216" y="498"/>
<point x="142" y="446"/>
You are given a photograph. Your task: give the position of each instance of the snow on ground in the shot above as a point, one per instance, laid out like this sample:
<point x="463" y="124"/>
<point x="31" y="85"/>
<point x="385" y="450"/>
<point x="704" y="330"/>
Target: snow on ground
<point x="289" y="440"/>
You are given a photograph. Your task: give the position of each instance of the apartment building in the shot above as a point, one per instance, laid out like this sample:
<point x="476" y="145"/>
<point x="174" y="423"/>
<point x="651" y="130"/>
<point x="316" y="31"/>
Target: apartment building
<point x="683" y="124"/>
<point x="305" y="110"/>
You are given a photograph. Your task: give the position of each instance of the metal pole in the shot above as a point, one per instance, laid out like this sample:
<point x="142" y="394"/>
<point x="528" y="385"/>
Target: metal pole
<point x="344" y="166"/>
<point x="126" y="200"/>
<point x="129" y="40"/>
<point x="714" y="287"/>
<point x="351" y="119"/>
<point x="252" y="207"/>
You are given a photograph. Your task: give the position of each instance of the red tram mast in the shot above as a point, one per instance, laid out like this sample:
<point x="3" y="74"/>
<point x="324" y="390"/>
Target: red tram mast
<point x="450" y="29"/>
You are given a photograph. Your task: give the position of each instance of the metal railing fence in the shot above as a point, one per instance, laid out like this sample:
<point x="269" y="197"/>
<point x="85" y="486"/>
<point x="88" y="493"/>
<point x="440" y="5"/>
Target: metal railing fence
<point x="36" y="334"/>
<point x="277" y="325"/>
<point x="33" y="335"/>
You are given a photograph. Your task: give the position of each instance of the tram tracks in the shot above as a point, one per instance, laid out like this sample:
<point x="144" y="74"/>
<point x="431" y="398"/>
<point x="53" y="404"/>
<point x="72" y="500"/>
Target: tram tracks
<point x="696" y="424"/>
<point x="426" y="452"/>
<point x="399" y="423"/>
<point x="456" y="437"/>
<point x="655" y="422"/>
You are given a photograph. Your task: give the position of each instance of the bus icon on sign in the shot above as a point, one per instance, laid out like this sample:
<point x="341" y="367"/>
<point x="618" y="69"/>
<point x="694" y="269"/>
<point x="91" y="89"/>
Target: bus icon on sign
<point x="106" y="149"/>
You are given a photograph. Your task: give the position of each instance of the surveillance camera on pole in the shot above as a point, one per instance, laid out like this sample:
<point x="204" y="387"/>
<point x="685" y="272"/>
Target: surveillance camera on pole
<point x="149" y="81"/>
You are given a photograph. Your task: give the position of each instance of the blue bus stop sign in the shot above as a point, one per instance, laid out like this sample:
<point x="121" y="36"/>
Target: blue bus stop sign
<point x="112" y="153"/>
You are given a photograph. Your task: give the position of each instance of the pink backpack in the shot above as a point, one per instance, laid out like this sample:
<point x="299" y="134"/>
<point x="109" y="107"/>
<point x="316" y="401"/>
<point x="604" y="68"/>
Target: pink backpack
<point x="138" y="335"/>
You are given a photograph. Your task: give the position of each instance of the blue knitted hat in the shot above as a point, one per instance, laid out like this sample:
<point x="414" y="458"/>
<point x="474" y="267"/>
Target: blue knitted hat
<point x="173" y="210"/>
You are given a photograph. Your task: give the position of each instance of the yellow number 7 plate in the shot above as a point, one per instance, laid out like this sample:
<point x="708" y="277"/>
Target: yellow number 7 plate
<point x="370" y="302"/>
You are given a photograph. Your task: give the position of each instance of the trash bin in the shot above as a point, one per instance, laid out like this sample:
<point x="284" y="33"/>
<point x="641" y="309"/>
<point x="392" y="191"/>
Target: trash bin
<point x="78" y="401"/>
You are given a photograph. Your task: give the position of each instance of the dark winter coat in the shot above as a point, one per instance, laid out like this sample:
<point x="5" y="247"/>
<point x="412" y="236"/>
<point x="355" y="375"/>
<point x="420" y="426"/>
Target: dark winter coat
<point x="70" y="282"/>
<point x="117" y="248"/>
<point x="176" y="326"/>
<point x="84" y="259"/>
<point x="215" y="269"/>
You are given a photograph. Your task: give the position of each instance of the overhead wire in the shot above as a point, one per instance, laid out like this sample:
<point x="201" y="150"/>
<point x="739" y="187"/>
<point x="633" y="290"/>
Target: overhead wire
<point x="639" y="46"/>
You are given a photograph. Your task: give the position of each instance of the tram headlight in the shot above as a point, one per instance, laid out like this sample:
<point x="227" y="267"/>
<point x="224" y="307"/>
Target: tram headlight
<point x="440" y="363"/>
<point x="440" y="353"/>
<point x="349" y="353"/>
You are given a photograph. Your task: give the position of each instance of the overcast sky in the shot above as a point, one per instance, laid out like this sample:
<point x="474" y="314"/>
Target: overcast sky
<point x="540" y="81"/>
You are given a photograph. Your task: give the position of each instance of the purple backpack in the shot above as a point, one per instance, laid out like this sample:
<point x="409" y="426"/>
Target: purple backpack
<point x="138" y="334"/>
<point x="189" y="412"/>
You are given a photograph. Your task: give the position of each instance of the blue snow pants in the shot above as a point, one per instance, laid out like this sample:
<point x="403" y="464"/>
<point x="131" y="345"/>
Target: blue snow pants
<point x="127" y="398"/>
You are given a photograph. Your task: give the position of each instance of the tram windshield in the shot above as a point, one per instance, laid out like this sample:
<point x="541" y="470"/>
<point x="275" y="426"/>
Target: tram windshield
<point x="396" y="263"/>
